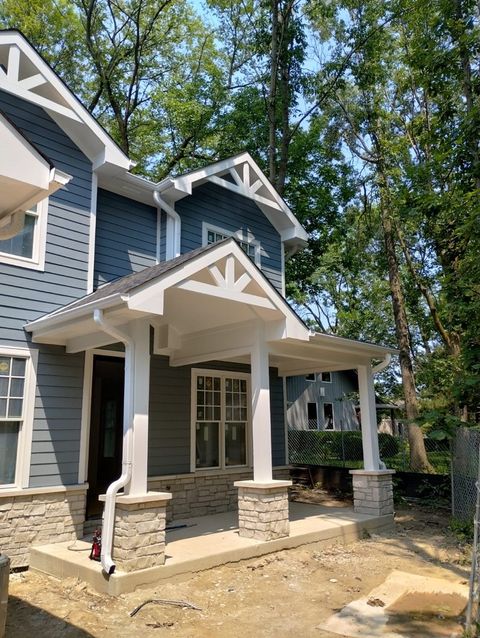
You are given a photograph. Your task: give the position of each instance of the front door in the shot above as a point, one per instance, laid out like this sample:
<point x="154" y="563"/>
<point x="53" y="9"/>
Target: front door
<point x="106" y="429"/>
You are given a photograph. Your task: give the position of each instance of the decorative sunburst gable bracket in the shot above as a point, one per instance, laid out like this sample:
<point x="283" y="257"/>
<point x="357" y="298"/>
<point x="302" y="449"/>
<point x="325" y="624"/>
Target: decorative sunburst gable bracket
<point x="227" y="285"/>
<point x="18" y="76"/>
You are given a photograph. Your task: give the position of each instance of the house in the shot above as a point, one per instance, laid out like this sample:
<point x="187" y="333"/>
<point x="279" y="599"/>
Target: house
<point x="144" y="337"/>
<point x="322" y="401"/>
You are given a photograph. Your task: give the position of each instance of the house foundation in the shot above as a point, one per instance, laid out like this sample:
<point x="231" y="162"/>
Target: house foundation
<point x="139" y="534"/>
<point x="373" y="492"/>
<point x="263" y="509"/>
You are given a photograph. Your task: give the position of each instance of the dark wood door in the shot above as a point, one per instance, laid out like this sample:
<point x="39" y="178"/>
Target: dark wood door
<point x="106" y="429"/>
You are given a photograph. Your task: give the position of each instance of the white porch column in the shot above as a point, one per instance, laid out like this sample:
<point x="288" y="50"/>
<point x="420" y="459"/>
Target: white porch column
<point x="261" y="423"/>
<point x="371" y="455"/>
<point x="140" y="332"/>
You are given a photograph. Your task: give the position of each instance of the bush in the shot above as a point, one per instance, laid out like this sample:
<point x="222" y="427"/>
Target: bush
<point x="348" y="445"/>
<point x="388" y="445"/>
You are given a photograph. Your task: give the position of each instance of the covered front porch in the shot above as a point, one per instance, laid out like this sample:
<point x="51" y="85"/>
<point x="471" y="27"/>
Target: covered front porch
<point x="213" y="304"/>
<point x="204" y="542"/>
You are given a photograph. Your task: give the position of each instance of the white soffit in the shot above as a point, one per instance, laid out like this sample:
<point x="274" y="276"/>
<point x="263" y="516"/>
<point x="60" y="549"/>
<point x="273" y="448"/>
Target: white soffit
<point x="26" y="176"/>
<point x="24" y="73"/>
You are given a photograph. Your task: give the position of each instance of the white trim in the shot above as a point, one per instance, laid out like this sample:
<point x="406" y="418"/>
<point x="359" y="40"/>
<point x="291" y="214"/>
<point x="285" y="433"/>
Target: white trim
<point x="223" y="374"/>
<point x="37" y="260"/>
<point x="24" y="444"/>
<point x="87" y="406"/>
<point x="285" y="416"/>
<point x="158" y="256"/>
<point x="91" y="237"/>
<point x="322" y="380"/>
<point x="239" y="235"/>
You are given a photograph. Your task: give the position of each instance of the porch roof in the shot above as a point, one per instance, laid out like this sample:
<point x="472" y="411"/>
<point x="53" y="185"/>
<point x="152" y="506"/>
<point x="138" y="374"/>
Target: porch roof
<point x="203" y="306"/>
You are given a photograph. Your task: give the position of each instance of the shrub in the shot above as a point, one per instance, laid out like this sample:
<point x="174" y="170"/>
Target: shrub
<point x="388" y="445"/>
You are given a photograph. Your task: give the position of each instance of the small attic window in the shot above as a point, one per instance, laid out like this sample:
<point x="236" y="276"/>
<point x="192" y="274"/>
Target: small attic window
<point x="310" y="377"/>
<point x="250" y="246"/>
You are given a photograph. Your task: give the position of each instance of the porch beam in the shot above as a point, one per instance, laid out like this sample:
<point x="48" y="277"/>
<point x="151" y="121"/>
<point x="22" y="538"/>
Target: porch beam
<point x="368" y="413"/>
<point x="140" y="332"/>
<point x="261" y="422"/>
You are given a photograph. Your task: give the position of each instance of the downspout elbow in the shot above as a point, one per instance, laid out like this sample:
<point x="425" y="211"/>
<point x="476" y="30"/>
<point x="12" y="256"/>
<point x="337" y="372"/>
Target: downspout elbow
<point x="383" y="364"/>
<point x="108" y="565"/>
<point x="177" y="223"/>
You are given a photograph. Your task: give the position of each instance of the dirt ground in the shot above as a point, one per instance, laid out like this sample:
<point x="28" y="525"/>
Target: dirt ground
<point x="284" y="594"/>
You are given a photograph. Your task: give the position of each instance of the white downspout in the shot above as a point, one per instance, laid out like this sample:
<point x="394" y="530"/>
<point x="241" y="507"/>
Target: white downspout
<point x="108" y="565"/>
<point x="174" y="249"/>
<point x="383" y="364"/>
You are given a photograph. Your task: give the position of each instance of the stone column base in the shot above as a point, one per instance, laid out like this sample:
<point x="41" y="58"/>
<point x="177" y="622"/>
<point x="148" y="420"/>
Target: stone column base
<point x="139" y="534"/>
<point x="372" y="492"/>
<point x="263" y="509"/>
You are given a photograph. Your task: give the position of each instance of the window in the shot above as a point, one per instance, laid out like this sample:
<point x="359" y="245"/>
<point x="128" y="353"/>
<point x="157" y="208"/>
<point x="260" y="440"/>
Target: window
<point x="249" y="245"/>
<point x="14" y="372"/>
<point x="326" y="377"/>
<point x="312" y="416"/>
<point x="220" y="419"/>
<point x="310" y="377"/>
<point x="27" y="248"/>
<point x="328" y="421"/>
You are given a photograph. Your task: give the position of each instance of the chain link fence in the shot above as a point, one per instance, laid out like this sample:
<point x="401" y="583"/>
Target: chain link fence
<point x="465" y="462"/>
<point x="344" y="449"/>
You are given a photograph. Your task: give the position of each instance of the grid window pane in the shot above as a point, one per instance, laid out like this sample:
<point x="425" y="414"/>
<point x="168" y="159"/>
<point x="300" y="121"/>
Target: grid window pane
<point x="15" y="408"/>
<point x="235" y="444"/>
<point x="3" y="408"/>
<point x="5" y="366"/>
<point x="18" y="367"/>
<point x="207" y="444"/>
<point x="16" y="388"/>
<point x="3" y="386"/>
<point x="8" y="451"/>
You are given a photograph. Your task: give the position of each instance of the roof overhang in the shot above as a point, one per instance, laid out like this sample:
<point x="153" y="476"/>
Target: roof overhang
<point x="24" y="73"/>
<point x="204" y="308"/>
<point x="26" y="175"/>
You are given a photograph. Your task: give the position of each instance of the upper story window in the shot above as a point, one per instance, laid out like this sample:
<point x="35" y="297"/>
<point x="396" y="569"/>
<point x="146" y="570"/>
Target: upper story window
<point x="27" y="248"/>
<point x="310" y="377"/>
<point x="250" y="246"/>
<point x="326" y="377"/>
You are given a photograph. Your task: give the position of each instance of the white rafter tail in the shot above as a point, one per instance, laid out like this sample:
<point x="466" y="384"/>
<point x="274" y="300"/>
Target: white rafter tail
<point x="230" y="271"/>
<point x="217" y="276"/>
<point x="236" y="177"/>
<point x="242" y="282"/>
<point x="256" y="186"/>
<point x="32" y="82"/>
<point x="13" y="63"/>
<point x="246" y="174"/>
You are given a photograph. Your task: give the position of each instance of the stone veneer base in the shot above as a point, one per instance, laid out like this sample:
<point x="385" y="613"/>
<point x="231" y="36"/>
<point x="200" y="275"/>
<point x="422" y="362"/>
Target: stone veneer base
<point x="38" y="517"/>
<point x="372" y="492"/>
<point x="139" y="534"/>
<point x="263" y="509"/>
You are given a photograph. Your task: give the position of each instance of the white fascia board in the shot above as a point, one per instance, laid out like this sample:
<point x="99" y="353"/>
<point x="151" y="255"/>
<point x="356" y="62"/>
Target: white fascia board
<point x="368" y="349"/>
<point x="59" y="317"/>
<point x="71" y="108"/>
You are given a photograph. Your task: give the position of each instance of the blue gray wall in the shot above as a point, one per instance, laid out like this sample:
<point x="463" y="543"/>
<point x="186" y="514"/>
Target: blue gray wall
<point x="222" y="208"/>
<point x="301" y="392"/>
<point x="170" y="419"/>
<point x="27" y="294"/>
<point x="126" y="236"/>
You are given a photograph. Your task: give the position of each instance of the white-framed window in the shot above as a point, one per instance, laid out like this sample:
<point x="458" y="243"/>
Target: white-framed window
<point x="328" y="417"/>
<point x="17" y="395"/>
<point x="247" y="242"/>
<point x="27" y="248"/>
<point x="310" y="377"/>
<point x="312" y="416"/>
<point x="220" y="419"/>
<point x="326" y="377"/>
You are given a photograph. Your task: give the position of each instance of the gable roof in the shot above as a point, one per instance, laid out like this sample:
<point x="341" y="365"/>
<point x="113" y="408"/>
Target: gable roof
<point x="24" y="73"/>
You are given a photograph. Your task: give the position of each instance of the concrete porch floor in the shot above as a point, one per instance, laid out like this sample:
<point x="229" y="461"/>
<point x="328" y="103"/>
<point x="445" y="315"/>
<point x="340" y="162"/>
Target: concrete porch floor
<point x="206" y="542"/>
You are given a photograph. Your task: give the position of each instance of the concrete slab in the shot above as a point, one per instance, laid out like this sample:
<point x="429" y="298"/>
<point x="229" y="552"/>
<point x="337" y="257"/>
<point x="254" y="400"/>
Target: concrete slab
<point x="206" y="542"/>
<point x="404" y="605"/>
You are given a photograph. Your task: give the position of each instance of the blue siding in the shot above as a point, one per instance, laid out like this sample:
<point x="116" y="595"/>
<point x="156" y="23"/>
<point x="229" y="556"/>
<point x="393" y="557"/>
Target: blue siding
<point x="57" y="422"/>
<point x="28" y="294"/>
<point x="126" y="237"/>
<point x="170" y="419"/>
<point x="220" y="207"/>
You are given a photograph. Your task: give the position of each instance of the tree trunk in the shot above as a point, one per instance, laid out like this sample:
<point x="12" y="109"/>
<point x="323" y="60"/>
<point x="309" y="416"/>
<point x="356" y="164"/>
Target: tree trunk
<point x="418" y="455"/>
<point x="272" y="97"/>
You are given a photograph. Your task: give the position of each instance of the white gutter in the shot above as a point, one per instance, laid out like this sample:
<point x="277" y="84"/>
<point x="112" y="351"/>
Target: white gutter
<point x="108" y="565"/>
<point x="383" y="364"/>
<point x="172" y="243"/>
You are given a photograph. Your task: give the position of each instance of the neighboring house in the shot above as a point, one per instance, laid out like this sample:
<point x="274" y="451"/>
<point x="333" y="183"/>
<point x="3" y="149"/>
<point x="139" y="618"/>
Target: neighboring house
<point x="144" y="335"/>
<point x="323" y="401"/>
